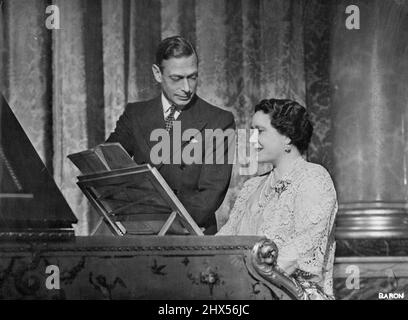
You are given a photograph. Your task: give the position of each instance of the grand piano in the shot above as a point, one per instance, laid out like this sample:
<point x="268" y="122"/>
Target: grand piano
<point x="41" y="258"/>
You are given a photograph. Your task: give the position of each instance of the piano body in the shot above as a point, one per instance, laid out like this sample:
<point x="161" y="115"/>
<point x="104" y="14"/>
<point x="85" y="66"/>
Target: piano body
<point x="40" y="257"/>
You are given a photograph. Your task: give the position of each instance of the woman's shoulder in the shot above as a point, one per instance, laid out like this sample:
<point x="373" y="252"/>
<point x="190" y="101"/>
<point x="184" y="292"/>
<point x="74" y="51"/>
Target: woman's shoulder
<point x="317" y="175"/>
<point x="316" y="170"/>
<point x="316" y="192"/>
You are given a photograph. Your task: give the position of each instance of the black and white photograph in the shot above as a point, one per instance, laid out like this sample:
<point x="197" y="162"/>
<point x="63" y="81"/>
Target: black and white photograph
<point x="223" y="151"/>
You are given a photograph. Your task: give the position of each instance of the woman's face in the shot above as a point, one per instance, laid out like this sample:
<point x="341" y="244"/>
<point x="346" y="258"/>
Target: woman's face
<point x="270" y="144"/>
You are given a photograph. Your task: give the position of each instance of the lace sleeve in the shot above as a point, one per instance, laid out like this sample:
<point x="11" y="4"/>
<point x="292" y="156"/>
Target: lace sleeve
<point x="315" y="209"/>
<point x="231" y="226"/>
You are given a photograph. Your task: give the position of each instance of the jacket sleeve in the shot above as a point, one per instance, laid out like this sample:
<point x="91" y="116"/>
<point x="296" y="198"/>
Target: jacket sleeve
<point x="214" y="178"/>
<point x="123" y="132"/>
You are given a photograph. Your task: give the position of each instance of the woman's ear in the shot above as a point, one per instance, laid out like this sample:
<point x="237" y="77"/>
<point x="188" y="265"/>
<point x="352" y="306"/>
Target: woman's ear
<point x="288" y="144"/>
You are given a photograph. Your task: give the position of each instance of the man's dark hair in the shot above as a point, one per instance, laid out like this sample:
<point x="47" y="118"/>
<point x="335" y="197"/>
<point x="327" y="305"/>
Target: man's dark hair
<point x="174" y="47"/>
<point x="290" y="119"/>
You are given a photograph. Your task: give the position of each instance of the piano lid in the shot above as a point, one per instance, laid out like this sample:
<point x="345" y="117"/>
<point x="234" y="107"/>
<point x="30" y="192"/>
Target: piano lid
<point x="30" y="201"/>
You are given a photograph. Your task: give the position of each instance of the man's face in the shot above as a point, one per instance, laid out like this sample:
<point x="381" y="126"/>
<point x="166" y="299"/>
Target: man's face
<point x="178" y="78"/>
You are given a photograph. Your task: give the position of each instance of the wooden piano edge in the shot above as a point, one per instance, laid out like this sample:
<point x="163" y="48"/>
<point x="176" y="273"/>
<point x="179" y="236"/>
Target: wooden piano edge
<point x="259" y="253"/>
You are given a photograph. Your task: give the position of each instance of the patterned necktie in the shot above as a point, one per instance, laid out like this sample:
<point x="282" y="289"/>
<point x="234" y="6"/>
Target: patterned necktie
<point x="170" y="118"/>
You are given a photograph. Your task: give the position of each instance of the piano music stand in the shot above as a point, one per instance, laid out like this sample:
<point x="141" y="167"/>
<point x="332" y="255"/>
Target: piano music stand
<point x="122" y="193"/>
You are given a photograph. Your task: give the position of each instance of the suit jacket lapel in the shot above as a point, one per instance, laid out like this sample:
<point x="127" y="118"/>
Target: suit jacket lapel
<point x="151" y="117"/>
<point x="192" y="118"/>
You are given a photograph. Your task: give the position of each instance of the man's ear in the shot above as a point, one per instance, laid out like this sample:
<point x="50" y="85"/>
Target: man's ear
<point x="157" y="73"/>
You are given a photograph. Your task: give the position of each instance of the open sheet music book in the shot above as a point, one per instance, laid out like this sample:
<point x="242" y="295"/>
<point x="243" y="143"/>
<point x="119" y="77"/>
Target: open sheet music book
<point x="104" y="157"/>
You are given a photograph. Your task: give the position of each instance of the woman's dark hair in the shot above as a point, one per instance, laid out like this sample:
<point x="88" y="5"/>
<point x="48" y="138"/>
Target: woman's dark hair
<point x="290" y="119"/>
<point x="174" y="47"/>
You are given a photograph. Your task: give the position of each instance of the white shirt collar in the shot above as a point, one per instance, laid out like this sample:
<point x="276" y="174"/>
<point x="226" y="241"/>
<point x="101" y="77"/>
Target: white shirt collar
<point x="166" y="107"/>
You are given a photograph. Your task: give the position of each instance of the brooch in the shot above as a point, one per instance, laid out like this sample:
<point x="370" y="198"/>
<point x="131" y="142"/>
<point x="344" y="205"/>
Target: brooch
<point x="281" y="186"/>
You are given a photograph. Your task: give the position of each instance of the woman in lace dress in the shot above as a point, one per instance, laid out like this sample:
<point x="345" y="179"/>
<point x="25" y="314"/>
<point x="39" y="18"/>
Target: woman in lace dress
<point x="295" y="204"/>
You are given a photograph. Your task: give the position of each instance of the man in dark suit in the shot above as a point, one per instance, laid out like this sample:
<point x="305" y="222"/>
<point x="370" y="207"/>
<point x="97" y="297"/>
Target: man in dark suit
<point x="200" y="186"/>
